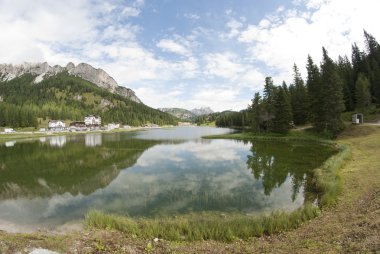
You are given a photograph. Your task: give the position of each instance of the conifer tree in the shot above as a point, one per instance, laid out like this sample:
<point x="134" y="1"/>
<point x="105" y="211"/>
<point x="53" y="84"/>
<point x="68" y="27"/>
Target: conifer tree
<point x="362" y="93"/>
<point x="331" y="98"/>
<point x="255" y="111"/>
<point x="268" y="102"/>
<point x="283" y="113"/>
<point x="373" y="61"/>
<point x="299" y="100"/>
<point x="314" y="93"/>
<point x="346" y="74"/>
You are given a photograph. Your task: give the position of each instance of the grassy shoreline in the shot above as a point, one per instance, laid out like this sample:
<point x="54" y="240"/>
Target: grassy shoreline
<point x="32" y="135"/>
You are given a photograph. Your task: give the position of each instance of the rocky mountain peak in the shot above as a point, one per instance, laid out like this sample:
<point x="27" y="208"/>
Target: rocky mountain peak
<point x="202" y="111"/>
<point x="70" y="66"/>
<point x="96" y="76"/>
<point x="85" y="71"/>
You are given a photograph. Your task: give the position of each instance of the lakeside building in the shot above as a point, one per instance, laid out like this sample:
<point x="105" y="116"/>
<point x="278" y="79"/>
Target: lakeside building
<point x="92" y="120"/>
<point x="9" y="130"/>
<point x="112" y="126"/>
<point x="56" y="125"/>
<point x="77" y="126"/>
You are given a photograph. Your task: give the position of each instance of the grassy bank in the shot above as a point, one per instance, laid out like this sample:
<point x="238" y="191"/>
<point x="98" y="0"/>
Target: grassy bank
<point x="31" y="135"/>
<point x="197" y="227"/>
<point x="328" y="183"/>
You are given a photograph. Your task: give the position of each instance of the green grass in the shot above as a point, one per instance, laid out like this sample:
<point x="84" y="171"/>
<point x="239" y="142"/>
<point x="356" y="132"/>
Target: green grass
<point x="202" y="226"/>
<point x="306" y="135"/>
<point x="328" y="178"/>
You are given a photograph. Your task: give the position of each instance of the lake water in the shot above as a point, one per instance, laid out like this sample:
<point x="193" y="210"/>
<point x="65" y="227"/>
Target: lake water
<point x="54" y="181"/>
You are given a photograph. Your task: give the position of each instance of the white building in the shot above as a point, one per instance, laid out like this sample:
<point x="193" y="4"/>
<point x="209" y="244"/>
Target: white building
<point x="92" y="120"/>
<point x="9" y="130"/>
<point x="112" y="126"/>
<point x="57" y="125"/>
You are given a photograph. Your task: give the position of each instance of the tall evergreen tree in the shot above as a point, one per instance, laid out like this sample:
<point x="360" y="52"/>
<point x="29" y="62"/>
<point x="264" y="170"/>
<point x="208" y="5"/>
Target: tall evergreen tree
<point x="286" y="89"/>
<point x="373" y="60"/>
<point x="346" y="74"/>
<point x="372" y="45"/>
<point x="376" y="84"/>
<point x="299" y="99"/>
<point x="269" y="96"/>
<point x="283" y="112"/>
<point x="314" y="90"/>
<point x="331" y="96"/>
<point x="362" y="93"/>
<point x="255" y="110"/>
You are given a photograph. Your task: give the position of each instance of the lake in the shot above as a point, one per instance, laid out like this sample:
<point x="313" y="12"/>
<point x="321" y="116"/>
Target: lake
<point x="54" y="181"/>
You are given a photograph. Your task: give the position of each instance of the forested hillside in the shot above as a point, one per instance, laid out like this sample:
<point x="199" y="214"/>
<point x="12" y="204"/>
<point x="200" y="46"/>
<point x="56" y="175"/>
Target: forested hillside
<point x="330" y="89"/>
<point x="67" y="97"/>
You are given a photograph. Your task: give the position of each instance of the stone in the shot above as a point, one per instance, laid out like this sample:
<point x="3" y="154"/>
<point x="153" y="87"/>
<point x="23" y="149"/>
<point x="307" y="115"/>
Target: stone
<point x="42" y="251"/>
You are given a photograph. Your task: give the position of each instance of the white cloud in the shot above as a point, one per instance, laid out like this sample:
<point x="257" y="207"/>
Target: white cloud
<point x="225" y="65"/>
<point x="253" y="78"/>
<point x="234" y="27"/>
<point x="131" y="11"/>
<point x="219" y="98"/>
<point x="289" y="36"/>
<point x="192" y="16"/>
<point x="26" y="28"/>
<point x="172" y="46"/>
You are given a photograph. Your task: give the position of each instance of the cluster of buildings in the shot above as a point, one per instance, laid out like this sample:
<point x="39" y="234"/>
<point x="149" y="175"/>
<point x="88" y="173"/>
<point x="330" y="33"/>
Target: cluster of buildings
<point x="91" y="122"/>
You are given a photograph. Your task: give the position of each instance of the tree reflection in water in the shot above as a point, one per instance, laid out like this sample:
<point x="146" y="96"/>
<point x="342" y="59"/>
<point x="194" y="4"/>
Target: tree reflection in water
<point x="273" y="162"/>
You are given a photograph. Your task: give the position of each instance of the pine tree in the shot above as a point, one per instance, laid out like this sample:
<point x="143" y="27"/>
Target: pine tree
<point x="359" y="63"/>
<point x="299" y="99"/>
<point x="373" y="60"/>
<point x="376" y="84"/>
<point x="346" y="74"/>
<point x="331" y="96"/>
<point x="268" y="102"/>
<point x="372" y="45"/>
<point x="362" y="93"/>
<point x="255" y="110"/>
<point x="313" y="85"/>
<point x="283" y="112"/>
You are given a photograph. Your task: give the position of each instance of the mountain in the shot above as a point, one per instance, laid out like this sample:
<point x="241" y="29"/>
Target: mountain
<point x="180" y="113"/>
<point x="31" y="94"/>
<point x="187" y="115"/>
<point x="202" y="111"/>
<point x="85" y="71"/>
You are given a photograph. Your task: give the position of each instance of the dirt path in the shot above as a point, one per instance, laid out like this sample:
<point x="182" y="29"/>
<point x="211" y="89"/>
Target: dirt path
<point x="353" y="226"/>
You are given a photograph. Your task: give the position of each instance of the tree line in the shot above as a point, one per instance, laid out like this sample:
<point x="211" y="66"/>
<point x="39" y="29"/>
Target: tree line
<point x="330" y="89"/>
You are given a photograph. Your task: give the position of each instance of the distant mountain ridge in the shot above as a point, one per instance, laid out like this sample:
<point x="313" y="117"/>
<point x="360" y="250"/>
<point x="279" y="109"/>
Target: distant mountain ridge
<point x="180" y="113"/>
<point x="185" y="114"/>
<point x="202" y="111"/>
<point x="85" y="71"/>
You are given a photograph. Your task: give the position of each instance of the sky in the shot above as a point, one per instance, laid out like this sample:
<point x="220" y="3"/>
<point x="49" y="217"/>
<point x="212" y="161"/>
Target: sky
<point x="186" y="53"/>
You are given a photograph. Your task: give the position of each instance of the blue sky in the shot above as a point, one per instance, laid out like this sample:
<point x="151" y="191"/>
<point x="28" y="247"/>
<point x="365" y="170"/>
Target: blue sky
<point x="185" y="53"/>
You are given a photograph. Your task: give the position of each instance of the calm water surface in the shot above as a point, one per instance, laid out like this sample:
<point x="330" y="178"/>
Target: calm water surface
<point x="53" y="181"/>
